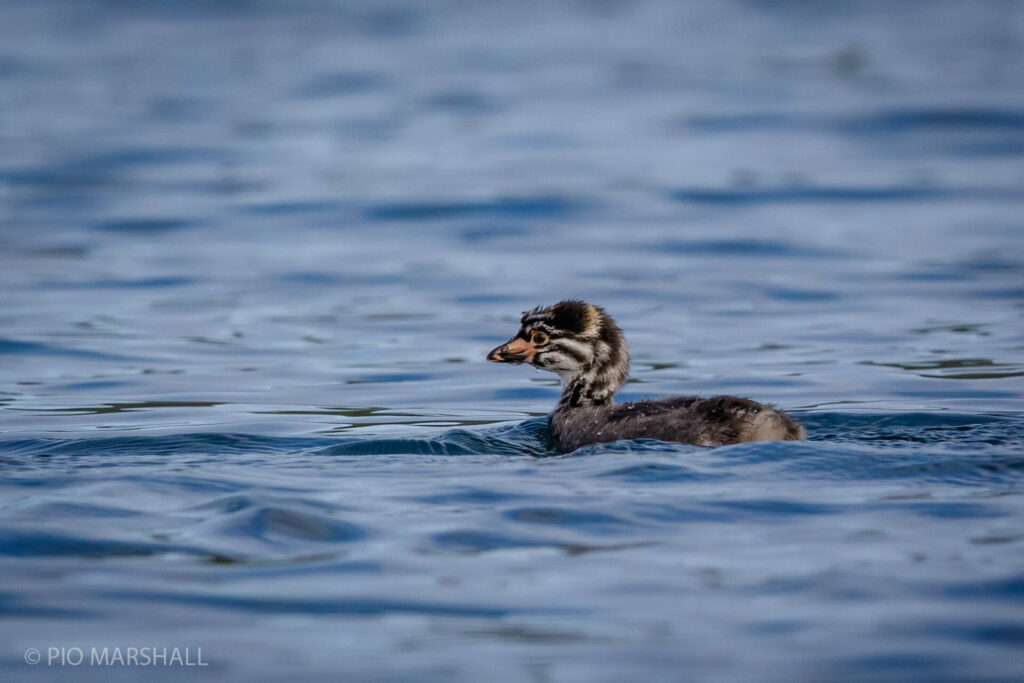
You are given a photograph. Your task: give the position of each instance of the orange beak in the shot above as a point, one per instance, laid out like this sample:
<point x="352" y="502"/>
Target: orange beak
<point x="515" y="351"/>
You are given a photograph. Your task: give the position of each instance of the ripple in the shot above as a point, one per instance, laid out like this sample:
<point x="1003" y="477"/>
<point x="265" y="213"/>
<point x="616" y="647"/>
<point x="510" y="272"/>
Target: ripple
<point x="794" y="195"/>
<point x="358" y="606"/>
<point x="42" y="544"/>
<point x="636" y="447"/>
<point x="296" y="208"/>
<point x="145" y="225"/>
<point x="654" y="472"/>
<point x="281" y="524"/>
<point x="134" y="157"/>
<point x="489" y="233"/>
<point x="751" y="248"/>
<point x="341" y="83"/>
<point x="386" y="378"/>
<point x="127" y="283"/>
<point x="776" y="507"/>
<point x="1009" y="588"/>
<point x="462" y="102"/>
<point x="958" y="368"/>
<point x="946" y="510"/>
<point x="469" y="496"/>
<point x="988" y="632"/>
<point x="199" y="442"/>
<point x="472" y="541"/>
<point x="52" y="509"/>
<point x="310" y="278"/>
<point x="587" y="520"/>
<point x="518" y="208"/>
<point x="906" y="664"/>
<point x="889" y="429"/>
<point x="891" y="121"/>
<point x="939" y="118"/>
<point x="529" y="438"/>
<point x="14" y="346"/>
<point x="801" y="295"/>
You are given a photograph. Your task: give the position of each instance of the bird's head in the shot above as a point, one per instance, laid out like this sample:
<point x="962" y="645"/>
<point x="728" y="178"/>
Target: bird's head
<point x="574" y="339"/>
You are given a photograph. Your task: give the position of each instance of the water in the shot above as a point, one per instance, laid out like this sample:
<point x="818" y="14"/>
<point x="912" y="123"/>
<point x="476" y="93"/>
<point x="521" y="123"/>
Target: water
<point x="252" y="257"/>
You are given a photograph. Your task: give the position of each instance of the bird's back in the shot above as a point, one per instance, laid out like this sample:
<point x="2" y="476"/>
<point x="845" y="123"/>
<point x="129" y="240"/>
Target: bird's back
<point x="714" y="421"/>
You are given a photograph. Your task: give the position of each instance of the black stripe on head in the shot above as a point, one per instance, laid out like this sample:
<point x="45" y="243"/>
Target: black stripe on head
<point x="571" y="352"/>
<point x="535" y="315"/>
<point x="571" y="316"/>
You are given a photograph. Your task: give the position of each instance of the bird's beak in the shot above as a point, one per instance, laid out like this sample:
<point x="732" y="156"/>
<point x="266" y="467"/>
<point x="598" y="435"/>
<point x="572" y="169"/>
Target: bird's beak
<point x="515" y="351"/>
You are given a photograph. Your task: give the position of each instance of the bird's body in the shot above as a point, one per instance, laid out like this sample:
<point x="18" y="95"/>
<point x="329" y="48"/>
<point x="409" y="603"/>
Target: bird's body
<point x="581" y="343"/>
<point x="714" y="421"/>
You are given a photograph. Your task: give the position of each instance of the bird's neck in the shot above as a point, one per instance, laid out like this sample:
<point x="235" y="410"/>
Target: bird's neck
<point x="587" y="389"/>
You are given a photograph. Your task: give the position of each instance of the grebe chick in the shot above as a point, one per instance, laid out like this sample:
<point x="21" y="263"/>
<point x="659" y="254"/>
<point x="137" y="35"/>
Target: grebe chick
<point x="584" y="346"/>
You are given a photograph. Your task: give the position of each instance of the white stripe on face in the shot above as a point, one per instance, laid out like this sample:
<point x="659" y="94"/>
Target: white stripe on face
<point x="585" y="351"/>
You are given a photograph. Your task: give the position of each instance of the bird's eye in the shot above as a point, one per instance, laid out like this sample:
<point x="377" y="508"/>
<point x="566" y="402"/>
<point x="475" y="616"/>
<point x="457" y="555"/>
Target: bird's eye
<point x="538" y="338"/>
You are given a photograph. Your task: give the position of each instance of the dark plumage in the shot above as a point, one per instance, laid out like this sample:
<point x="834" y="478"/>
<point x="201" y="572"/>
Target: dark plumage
<point x="581" y="343"/>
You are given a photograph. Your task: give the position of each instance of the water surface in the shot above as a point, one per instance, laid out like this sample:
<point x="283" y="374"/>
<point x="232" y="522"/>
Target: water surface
<point x="252" y="257"/>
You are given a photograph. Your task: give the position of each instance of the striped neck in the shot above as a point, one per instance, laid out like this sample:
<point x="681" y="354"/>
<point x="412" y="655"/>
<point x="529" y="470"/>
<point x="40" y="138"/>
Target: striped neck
<point x="587" y="389"/>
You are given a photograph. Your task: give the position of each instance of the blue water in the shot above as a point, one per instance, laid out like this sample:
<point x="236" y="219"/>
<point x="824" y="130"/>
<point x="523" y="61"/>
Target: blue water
<point x="252" y="255"/>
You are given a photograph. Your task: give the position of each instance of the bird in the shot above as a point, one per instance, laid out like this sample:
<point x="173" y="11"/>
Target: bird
<point x="583" y="345"/>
